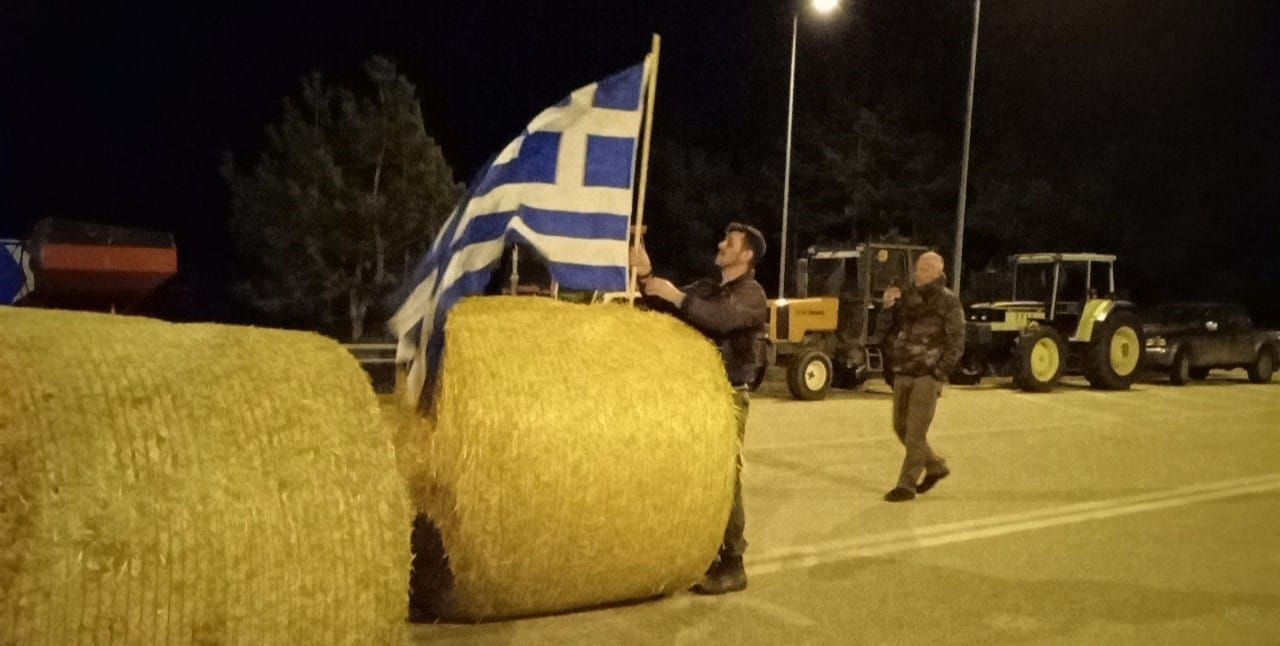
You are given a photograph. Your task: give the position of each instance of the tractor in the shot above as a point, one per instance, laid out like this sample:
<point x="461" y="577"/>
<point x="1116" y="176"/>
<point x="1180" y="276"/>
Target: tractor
<point x="826" y="335"/>
<point x="1063" y="317"/>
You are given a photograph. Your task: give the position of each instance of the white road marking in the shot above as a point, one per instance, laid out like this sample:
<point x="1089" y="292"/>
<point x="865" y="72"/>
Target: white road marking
<point x="806" y="556"/>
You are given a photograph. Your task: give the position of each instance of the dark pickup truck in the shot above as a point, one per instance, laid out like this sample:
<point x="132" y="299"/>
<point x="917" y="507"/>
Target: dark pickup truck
<point x="1187" y="340"/>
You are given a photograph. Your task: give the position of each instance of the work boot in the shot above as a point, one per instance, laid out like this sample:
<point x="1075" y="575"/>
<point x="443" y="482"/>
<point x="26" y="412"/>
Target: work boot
<point x="900" y="494"/>
<point x="727" y="575"/>
<point x="931" y="479"/>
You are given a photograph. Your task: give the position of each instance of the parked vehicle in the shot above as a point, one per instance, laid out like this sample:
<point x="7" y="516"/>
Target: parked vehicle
<point x="1187" y="340"/>
<point x="826" y="335"/>
<point x="1063" y="316"/>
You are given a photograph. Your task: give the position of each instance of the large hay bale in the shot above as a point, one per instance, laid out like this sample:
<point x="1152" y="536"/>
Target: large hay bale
<point x="193" y="484"/>
<point x="577" y="455"/>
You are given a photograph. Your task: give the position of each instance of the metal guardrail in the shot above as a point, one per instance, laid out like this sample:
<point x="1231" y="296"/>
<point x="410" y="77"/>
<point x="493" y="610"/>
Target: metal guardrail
<point x="362" y="352"/>
<point x="372" y="353"/>
<point x="377" y="359"/>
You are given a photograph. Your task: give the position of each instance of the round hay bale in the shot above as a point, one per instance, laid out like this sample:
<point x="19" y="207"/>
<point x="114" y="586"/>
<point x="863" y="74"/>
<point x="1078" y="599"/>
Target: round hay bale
<point x="575" y="456"/>
<point x="193" y="484"/>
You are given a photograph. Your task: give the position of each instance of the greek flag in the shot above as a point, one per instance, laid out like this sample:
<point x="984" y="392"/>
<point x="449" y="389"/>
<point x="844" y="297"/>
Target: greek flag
<point x="15" y="272"/>
<point x="563" y="188"/>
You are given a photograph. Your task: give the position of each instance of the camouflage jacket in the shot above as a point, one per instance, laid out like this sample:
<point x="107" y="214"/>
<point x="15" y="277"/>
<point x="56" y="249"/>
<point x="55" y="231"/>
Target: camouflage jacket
<point x="925" y="331"/>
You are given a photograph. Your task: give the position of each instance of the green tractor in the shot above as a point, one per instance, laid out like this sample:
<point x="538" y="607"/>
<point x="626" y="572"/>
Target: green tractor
<point x="1063" y="317"/>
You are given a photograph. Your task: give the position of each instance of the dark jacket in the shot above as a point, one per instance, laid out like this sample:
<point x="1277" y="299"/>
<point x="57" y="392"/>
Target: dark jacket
<point x="925" y="331"/>
<point x="733" y="316"/>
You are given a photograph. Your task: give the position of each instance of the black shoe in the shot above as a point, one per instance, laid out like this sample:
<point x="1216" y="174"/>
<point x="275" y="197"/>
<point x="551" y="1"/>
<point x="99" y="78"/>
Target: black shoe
<point x="727" y="575"/>
<point x="900" y="494"/>
<point x="931" y="479"/>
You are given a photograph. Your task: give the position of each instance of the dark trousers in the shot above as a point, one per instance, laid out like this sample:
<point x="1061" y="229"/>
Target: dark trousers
<point x="735" y="543"/>
<point x="914" y="401"/>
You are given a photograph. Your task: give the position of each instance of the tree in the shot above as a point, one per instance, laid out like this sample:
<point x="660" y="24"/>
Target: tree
<point x="860" y="175"/>
<point x="1016" y="207"/>
<point x="349" y="191"/>
<point x="693" y="194"/>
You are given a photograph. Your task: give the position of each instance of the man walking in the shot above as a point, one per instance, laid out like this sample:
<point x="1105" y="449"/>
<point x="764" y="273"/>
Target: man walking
<point x="925" y="329"/>
<point x="732" y="311"/>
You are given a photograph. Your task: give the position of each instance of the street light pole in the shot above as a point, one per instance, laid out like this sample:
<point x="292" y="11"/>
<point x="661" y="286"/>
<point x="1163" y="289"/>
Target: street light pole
<point x="786" y="173"/>
<point x="822" y="7"/>
<point x="964" y="163"/>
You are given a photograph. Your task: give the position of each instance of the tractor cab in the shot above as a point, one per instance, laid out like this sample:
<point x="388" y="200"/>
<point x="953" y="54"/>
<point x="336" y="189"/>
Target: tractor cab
<point x="1063" y="316"/>
<point x="840" y="272"/>
<point x="825" y="335"/>
<point x="1063" y="283"/>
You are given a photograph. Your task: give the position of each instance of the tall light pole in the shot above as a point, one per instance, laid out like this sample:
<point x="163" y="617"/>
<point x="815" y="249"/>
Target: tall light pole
<point x="822" y="7"/>
<point x="964" y="163"/>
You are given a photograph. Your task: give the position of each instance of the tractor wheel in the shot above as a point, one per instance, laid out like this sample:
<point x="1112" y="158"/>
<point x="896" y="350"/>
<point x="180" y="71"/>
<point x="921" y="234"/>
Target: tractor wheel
<point x="1262" y="368"/>
<point x="809" y="375"/>
<point x="1114" y="354"/>
<point x="1199" y="374"/>
<point x="1180" y="369"/>
<point x="1040" y="360"/>
<point x="969" y="371"/>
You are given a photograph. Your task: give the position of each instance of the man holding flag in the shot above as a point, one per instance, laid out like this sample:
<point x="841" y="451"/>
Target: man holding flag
<point x="564" y="189"/>
<point x="733" y="312"/>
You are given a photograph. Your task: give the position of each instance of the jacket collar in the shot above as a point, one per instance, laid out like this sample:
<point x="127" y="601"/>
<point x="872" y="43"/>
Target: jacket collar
<point x="750" y="274"/>
<point x="934" y="287"/>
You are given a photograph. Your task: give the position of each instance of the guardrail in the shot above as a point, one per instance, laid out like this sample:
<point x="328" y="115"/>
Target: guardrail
<point x="372" y="353"/>
<point x="377" y="359"/>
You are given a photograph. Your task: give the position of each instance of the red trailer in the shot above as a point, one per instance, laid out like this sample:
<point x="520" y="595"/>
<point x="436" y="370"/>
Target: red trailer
<point x="78" y="265"/>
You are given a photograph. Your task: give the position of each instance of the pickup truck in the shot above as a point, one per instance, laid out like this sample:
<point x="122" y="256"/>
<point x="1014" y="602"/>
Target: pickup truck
<point x="1187" y="340"/>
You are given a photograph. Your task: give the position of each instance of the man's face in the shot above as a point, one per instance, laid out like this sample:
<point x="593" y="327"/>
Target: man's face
<point x="733" y="250"/>
<point x="928" y="269"/>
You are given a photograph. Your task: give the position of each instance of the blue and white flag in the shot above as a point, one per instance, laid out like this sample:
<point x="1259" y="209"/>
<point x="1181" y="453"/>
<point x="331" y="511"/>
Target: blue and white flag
<point x="563" y="188"/>
<point x="15" y="272"/>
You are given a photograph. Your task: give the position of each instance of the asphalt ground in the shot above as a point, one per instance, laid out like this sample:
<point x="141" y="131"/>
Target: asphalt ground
<point x="1071" y="517"/>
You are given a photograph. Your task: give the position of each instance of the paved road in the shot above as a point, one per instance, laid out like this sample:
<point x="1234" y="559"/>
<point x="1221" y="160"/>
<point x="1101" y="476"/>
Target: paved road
<point x="1075" y="517"/>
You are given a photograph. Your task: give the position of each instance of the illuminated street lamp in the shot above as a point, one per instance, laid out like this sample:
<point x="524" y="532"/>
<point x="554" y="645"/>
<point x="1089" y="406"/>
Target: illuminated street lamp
<point x="822" y="7"/>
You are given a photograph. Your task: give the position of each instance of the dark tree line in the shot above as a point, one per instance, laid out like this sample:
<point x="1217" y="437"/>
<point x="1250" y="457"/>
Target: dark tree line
<point x="1090" y="134"/>
<point x="1092" y="131"/>
<point x="347" y="195"/>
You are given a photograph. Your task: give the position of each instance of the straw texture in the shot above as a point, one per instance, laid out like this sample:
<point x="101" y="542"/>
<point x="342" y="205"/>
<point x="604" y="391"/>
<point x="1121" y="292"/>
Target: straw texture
<point x="577" y="455"/>
<point x="193" y="484"/>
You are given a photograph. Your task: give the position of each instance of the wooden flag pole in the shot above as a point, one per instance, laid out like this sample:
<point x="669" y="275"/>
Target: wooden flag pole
<point x="638" y="231"/>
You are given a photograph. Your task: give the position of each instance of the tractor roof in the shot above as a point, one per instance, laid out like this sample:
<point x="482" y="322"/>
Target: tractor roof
<point x="1032" y="258"/>
<point x="826" y="254"/>
<point x="836" y="251"/>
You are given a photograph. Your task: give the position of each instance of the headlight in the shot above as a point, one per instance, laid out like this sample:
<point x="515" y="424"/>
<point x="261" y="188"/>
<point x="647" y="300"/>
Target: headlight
<point x="1156" y="342"/>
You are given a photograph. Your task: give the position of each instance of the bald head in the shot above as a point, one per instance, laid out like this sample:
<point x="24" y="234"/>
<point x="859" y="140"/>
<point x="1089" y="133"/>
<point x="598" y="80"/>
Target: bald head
<point x="929" y="268"/>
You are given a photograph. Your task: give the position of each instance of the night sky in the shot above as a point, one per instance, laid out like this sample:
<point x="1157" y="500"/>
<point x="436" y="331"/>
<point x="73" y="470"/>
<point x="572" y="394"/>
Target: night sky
<point x="119" y="113"/>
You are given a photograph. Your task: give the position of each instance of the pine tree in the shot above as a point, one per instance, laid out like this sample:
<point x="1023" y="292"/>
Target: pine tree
<point x="348" y="192"/>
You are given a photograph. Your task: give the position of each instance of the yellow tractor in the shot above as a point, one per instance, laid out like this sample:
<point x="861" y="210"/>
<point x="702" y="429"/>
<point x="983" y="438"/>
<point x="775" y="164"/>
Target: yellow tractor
<point x="825" y="336"/>
<point x="1063" y="317"/>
